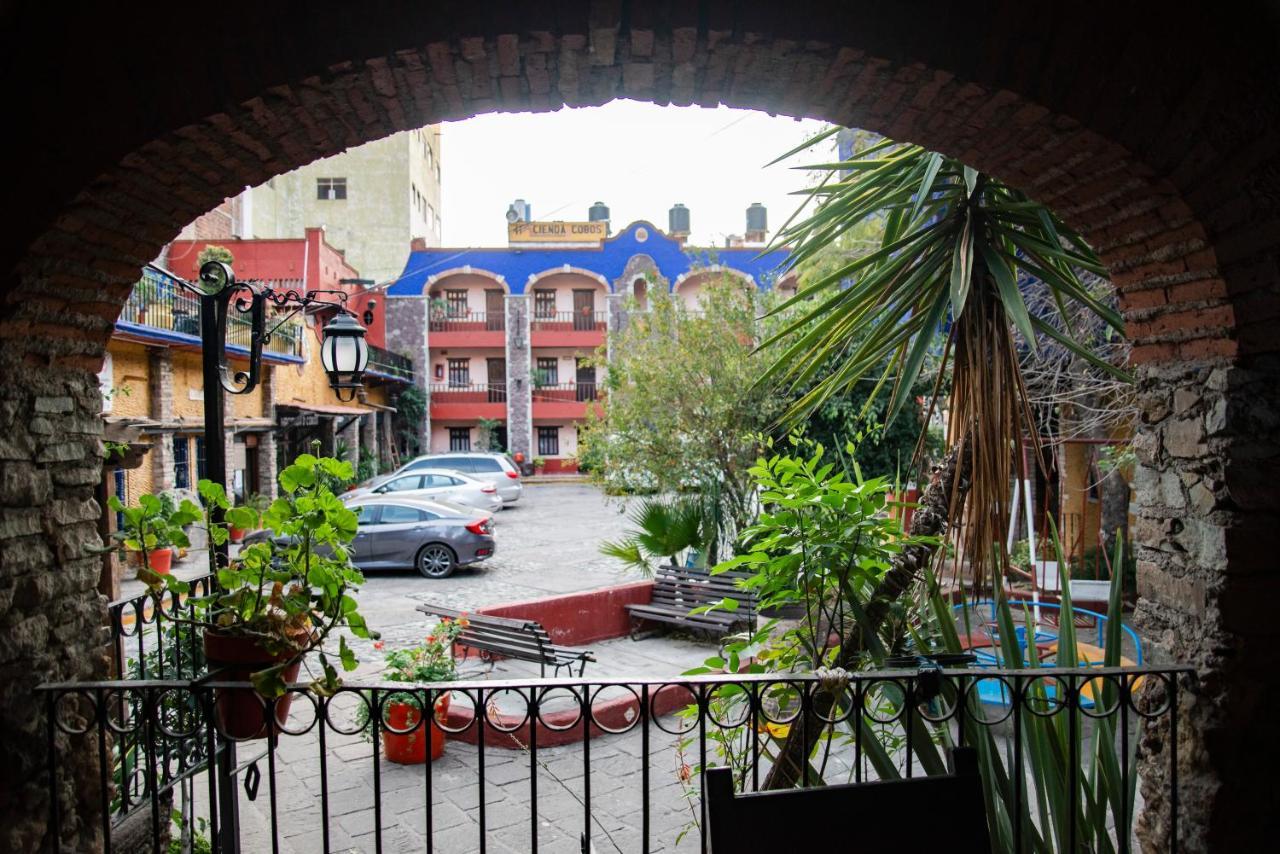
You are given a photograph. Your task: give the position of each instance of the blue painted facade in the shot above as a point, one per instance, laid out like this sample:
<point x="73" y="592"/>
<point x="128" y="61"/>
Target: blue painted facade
<point x="517" y="264"/>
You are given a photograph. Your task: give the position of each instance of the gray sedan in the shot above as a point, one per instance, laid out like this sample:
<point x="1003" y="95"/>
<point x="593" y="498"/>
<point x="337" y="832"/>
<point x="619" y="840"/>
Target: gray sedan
<point x="432" y="537"/>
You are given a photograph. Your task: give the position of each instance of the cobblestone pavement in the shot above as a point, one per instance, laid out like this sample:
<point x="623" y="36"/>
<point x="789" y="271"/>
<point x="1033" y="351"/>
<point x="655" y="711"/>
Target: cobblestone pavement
<point x="548" y="543"/>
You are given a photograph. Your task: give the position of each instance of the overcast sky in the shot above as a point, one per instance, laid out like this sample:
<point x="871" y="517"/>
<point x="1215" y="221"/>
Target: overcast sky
<point x="637" y="158"/>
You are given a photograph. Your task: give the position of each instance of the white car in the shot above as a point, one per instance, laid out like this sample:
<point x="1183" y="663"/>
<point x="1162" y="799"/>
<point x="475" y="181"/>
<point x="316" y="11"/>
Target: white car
<point x="435" y="485"/>
<point x="497" y="469"/>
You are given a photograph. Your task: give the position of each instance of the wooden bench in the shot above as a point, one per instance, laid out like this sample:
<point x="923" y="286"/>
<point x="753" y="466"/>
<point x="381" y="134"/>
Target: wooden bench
<point x="679" y="590"/>
<point x="505" y="637"/>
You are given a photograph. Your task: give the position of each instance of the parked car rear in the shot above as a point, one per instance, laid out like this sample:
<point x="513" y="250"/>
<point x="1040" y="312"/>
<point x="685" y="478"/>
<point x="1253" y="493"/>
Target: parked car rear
<point x="452" y="487"/>
<point x="433" y="537"/>
<point x="498" y="469"/>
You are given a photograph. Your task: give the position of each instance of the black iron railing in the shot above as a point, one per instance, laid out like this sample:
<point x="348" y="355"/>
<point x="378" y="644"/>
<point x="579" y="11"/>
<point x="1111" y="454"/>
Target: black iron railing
<point x="157" y="302"/>
<point x="615" y="764"/>
<point x="569" y="321"/>
<point x="472" y="321"/>
<point x="385" y="363"/>
<point x="468" y="392"/>
<point x="566" y="392"/>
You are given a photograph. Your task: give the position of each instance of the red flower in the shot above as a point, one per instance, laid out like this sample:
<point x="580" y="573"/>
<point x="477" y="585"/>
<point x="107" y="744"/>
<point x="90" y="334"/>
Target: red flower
<point x="378" y="644"/>
<point x="431" y="638"/>
<point x="684" y="773"/>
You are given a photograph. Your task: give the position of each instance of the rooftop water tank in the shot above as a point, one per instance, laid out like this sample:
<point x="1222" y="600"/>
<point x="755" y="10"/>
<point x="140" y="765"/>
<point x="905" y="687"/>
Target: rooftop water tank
<point x="757" y="218"/>
<point x="599" y="212"/>
<point x="678" y="220"/>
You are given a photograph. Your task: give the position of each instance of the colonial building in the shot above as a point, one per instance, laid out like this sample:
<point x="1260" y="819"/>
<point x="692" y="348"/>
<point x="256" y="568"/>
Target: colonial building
<point x="153" y="392"/>
<point x="508" y="334"/>
<point x="371" y="200"/>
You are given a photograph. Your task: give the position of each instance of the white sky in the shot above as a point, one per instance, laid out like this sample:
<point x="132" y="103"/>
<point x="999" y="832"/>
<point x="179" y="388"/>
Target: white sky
<point x="637" y="158"/>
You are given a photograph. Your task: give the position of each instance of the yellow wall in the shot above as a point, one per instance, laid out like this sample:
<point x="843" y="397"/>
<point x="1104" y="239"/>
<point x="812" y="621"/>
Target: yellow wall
<point x="131" y="371"/>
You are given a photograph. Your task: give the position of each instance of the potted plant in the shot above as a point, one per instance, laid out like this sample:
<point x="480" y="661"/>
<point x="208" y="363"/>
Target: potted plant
<point x="151" y="529"/>
<point x="259" y="503"/>
<point x="404" y="731"/>
<point x="539" y="465"/>
<point x="281" y="597"/>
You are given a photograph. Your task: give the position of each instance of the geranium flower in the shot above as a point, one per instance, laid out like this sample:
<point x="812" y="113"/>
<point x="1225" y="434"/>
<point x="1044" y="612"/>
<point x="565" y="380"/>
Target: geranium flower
<point x="378" y="645"/>
<point x="431" y="638"/>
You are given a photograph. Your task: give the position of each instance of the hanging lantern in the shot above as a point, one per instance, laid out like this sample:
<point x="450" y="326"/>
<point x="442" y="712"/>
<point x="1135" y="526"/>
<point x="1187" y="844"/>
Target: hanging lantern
<point x="344" y="354"/>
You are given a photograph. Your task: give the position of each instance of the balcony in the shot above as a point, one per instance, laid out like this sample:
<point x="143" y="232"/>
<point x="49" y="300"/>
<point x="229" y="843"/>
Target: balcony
<point x="568" y="329"/>
<point x="591" y="764"/>
<point x="474" y="329"/>
<point x="389" y="366"/>
<point x="159" y="310"/>
<point x="468" y="402"/>
<point x="565" y="400"/>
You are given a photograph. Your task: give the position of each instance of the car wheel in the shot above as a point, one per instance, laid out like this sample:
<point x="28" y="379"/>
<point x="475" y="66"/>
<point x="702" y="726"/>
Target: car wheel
<point x="436" y="561"/>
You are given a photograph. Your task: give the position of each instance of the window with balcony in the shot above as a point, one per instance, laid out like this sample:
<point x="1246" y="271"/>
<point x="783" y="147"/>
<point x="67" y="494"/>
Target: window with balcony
<point x="548" y="441"/>
<point x="328" y="189"/>
<point x="459" y="373"/>
<point x="544" y="304"/>
<point x="181" y="462"/>
<point x="548" y="371"/>
<point x="459" y="438"/>
<point x="455" y="303"/>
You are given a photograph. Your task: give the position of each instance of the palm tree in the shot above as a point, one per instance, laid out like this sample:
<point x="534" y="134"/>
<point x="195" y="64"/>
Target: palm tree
<point x="959" y="253"/>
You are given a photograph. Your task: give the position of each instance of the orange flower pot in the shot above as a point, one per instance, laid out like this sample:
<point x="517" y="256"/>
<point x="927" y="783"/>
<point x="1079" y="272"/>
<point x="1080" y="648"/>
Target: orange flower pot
<point x="160" y="560"/>
<point x="410" y="748"/>
<point x="236" y="534"/>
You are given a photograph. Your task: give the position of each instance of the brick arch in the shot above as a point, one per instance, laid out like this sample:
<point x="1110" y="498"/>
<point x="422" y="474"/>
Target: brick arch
<point x="439" y="278"/>
<point x="1150" y="131"/>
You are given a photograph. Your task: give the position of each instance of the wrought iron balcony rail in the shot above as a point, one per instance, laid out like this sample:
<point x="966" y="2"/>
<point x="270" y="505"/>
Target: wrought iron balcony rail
<point x="472" y="321"/>
<point x="569" y="321"/>
<point x="468" y="392"/>
<point x="385" y="363"/>
<point x="562" y="392"/>
<point x="158" y="302"/>
<point x="527" y="749"/>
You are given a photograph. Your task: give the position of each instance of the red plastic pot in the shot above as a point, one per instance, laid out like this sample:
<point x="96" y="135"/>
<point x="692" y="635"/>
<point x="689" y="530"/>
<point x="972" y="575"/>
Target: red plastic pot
<point x="160" y="560"/>
<point x="241" y="712"/>
<point x="236" y="534"/>
<point x="410" y="748"/>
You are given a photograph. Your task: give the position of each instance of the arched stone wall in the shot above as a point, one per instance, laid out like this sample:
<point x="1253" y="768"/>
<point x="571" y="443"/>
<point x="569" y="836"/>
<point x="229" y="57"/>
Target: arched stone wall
<point x="1149" y="127"/>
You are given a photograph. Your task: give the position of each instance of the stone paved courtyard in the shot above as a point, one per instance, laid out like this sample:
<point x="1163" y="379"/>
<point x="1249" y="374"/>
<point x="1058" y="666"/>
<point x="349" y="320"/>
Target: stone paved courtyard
<point x="548" y="543"/>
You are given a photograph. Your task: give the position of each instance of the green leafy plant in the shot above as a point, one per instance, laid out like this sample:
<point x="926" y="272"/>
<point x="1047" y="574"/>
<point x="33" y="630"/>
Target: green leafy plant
<point x="292" y="589"/>
<point x="487" y="435"/>
<point x="662" y="530"/>
<point x="214" y="252"/>
<point x="430" y="661"/>
<point x="411" y="410"/>
<point x="367" y="468"/>
<point x="539" y="462"/>
<point x="153" y="524"/>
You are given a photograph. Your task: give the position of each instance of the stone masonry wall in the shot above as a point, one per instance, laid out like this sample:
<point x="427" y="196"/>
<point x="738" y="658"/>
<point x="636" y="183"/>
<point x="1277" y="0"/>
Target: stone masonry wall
<point x="407" y="334"/>
<point x="519" y="389"/>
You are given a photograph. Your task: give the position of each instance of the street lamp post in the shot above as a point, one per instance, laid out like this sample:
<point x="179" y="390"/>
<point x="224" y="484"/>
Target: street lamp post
<point x="343" y="352"/>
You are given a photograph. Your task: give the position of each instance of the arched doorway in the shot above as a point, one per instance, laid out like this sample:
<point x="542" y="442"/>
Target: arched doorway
<point x="1166" y="165"/>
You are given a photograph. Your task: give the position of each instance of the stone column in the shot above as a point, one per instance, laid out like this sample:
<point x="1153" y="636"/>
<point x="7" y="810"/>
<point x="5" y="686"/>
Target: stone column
<point x="617" y="320"/>
<point x="407" y="334"/>
<point x="350" y="436"/>
<point x="161" y="453"/>
<point x="368" y="426"/>
<point x="519" y="391"/>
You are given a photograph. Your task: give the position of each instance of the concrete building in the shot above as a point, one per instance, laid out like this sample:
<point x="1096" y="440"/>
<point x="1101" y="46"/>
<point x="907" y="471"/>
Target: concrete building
<point x="507" y="334"/>
<point x="153" y="390"/>
<point x="371" y="201"/>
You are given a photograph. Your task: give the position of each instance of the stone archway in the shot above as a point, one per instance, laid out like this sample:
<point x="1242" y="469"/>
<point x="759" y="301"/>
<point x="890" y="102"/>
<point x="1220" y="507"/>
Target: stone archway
<point x="1149" y="129"/>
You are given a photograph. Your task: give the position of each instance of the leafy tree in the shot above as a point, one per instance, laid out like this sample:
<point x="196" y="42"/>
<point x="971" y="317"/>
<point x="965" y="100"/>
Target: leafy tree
<point x="947" y="269"/>
<point x="683" y="410"/>
<point x="214" y="252"/>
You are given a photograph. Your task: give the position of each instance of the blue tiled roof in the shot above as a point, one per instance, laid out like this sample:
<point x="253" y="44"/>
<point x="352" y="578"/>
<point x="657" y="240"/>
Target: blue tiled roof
<point x="609" y="260"/>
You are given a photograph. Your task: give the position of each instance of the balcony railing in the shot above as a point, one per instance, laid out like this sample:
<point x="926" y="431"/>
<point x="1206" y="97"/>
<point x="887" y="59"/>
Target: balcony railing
<point x="605" y="764"/>
<point x="158" y="302"/>
<point x="569" y="321"/>
<point x="468" y="392"/>
<point x="567" y="392"/>
<point x="473" y="321"/>
<point x="388" y="364"/>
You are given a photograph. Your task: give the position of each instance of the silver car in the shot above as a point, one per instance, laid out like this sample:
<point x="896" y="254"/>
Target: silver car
<point x="498" y="469"/>
<point x="436" y="485"/>
<point x="432" y="537"/>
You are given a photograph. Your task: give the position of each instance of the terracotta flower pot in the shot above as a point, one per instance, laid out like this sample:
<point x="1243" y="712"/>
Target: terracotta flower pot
<point x="160" y="560"/>
<point x="241" y="712"/>
<point x="236" y="534"/>
<point x="411" y="748"/>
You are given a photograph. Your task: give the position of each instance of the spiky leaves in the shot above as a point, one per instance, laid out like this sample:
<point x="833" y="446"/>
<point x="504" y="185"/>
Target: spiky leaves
<point x="945" y="279"/>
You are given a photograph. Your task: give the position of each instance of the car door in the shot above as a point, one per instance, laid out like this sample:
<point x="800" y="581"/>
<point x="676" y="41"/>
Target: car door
<point x="401" y="529"/>
<point x="440" y="486"/>
<point x="403" y="483"/>
<point x="361" y="546"/>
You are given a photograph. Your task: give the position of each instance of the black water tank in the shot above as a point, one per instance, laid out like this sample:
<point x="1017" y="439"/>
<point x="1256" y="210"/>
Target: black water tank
<point x="757" y="218"/>
<point x="599" y="212"/>
<point x="678" y="219"/>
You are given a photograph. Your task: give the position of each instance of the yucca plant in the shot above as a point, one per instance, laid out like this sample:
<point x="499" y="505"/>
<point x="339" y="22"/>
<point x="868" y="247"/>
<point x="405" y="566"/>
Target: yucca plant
<point x="959" y="252"/>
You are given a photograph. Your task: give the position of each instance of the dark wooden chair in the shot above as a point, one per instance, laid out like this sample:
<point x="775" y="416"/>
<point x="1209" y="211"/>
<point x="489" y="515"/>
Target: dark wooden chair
<point x="942" y="813"/>
<point x="677" y="590"/>
<point x="503" y="637"/>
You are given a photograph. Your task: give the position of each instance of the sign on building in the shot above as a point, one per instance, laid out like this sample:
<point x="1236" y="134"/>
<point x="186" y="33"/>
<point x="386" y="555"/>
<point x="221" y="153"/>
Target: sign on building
<point x="557" y="232"/>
